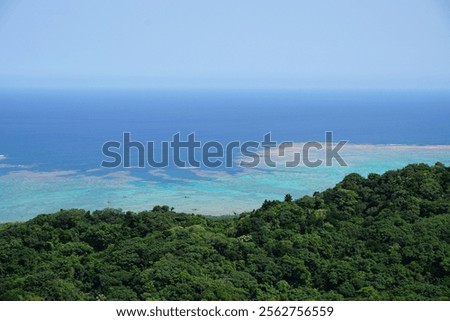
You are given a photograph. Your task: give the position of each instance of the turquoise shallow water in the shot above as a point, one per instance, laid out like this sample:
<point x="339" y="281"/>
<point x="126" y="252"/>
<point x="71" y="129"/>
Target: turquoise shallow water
<point x="27" y="192"/>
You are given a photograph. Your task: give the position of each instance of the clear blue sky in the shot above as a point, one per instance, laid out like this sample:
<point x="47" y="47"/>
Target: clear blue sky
<point x="232" y="43"/>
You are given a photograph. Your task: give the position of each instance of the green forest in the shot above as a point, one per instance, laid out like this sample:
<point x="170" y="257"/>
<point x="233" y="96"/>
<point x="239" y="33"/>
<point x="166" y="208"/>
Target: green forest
<point x="384" y="237"/>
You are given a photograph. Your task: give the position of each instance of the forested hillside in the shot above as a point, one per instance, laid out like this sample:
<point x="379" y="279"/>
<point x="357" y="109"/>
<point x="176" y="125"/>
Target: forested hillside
<point x="385" y="237"/>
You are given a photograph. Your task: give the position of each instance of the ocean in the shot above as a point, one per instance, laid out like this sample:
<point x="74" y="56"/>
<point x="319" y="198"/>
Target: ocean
<point x="51" y="144"/>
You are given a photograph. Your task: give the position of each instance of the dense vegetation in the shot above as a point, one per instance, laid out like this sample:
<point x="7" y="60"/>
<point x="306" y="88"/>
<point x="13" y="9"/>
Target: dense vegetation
<point x="385" y="237"/>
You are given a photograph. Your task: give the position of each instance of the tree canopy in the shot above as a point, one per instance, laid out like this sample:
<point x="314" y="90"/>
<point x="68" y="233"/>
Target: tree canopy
<point x="385" y="237"/>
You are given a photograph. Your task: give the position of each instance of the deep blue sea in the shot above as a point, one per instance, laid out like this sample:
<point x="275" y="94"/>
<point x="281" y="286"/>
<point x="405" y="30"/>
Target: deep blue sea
<point x="50" y="144"/>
